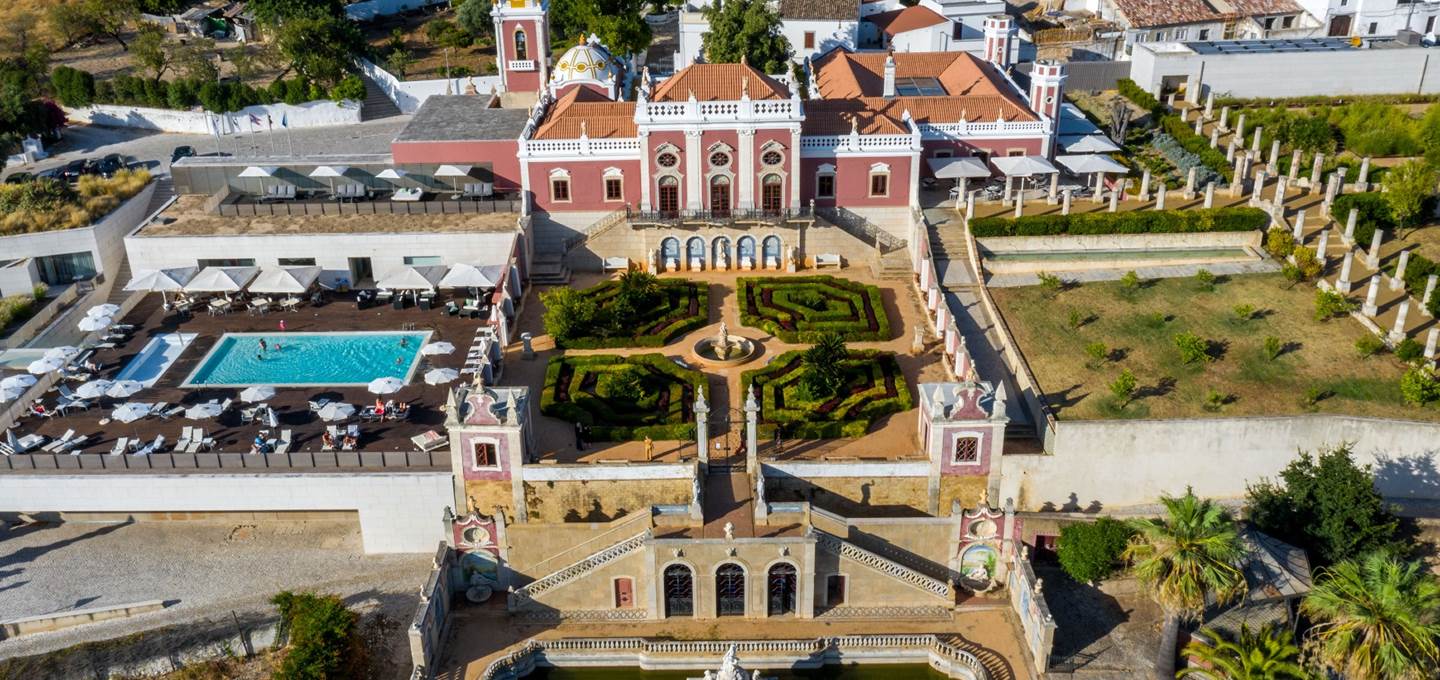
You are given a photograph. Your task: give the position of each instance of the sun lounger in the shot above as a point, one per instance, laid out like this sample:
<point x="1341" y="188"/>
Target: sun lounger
<point x="154" y="447"/>
<point x="283" y="443"/>
<point x="317" y="404"/>
<point x="58" y="444"/>
<point x="75" y="445"/>
<point x="121" y="446"/>
<point x="174" y="411"/>
<point x="430" y="440"/>
<point x="198" y="441"/>
<point x="186" y="435"/>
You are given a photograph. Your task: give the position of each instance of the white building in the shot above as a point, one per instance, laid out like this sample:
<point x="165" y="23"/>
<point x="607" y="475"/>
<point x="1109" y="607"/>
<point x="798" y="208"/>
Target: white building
<point x="1373" y="17"/>
<point x="1159" y="21"/>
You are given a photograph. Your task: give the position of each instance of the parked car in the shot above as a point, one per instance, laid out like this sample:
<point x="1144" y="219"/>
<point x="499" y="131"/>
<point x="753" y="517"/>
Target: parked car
<point x="109" y="165"/>
<point x="74" y="169"/>
<point x="181" y="152"/>
<point x="19" y="178"/>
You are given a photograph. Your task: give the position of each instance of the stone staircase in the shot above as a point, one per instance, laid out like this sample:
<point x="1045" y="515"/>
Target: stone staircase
<point x="996" y="665"/>
<point x="838" y="546"/>
<point x="376" y="104"/>
<point x="523" y="596"/>
<point x="549" y="269"/>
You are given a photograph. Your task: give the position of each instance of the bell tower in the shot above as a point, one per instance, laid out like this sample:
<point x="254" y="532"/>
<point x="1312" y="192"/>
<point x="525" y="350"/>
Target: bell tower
<point x="522" y="43"/>
<point x="999" y="33"/>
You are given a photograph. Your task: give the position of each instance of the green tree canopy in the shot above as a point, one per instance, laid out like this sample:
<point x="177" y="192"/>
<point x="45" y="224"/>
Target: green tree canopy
<point x="1376" y="617"/>
<point x="1326" y="504"/>
<point x="1266" y="654"/>
<point x="105" y="17"/>
<point x="616" y="22"/>
<point x="319" y="47"/>
<point x="474" y="17"/>
<point x="1090" y="551"/>
<point x="824" y="370"/>
<point x="276" y="12"/>
<point x="1406" y="188"/>
<point x="748" y="30"/>
<point x="150" y="51"/>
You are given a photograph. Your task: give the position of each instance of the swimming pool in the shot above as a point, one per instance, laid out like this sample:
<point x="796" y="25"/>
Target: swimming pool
<point x="308" y="359"/>
<point x="155" y="358"/>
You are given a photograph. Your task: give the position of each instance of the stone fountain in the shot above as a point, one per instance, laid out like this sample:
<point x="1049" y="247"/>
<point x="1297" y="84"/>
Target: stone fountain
<point x="724" y="349"/>
<point x="730" y="669"/>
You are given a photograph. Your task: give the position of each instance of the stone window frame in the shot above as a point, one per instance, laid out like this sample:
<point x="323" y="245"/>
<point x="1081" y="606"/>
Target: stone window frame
<point x="494" y="442"/>
<point x="966" y="436"/>
<point x="823" y="170"/>
<point x="844" y="590"/>
<point x="671" y="149"/>
<point x="560" y="176"/>
<point x="877" y="171"/>
<point x="520" y="43"/>
<point x="613" y="174"/>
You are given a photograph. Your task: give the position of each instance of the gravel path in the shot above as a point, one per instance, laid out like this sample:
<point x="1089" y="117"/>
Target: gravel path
<point x="205" y="569"/>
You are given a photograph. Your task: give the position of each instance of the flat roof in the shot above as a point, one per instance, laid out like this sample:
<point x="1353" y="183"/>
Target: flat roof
<point x="455" y="118"/>
<point x="187" y="217"/>
<point x="1288" y="45"/>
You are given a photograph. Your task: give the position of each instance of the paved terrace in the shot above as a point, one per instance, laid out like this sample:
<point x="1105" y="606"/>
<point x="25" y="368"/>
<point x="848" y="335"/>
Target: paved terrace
<point x="291" y="404"/>
<point x="188" y="216"/>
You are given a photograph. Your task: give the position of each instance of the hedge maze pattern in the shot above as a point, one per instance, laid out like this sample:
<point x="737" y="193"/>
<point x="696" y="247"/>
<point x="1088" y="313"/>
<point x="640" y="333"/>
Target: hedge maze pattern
<point x="682" y="306"/>
<point x="802" y="308"/>
<point x="623" y="398"/>
<point x="874" y="388"/>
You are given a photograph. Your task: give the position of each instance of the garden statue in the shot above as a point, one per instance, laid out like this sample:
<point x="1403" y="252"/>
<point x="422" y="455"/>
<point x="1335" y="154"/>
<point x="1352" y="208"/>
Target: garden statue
<point x="722" y="341"/>
<point x="649" y="448"/>
<point x="729" y="531"/>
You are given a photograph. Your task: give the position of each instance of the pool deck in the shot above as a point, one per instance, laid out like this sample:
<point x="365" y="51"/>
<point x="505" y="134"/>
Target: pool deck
<point x="291" y="404"/>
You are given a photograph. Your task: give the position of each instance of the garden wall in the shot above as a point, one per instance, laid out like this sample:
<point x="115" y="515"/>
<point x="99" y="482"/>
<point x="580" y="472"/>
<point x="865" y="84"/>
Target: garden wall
<point x="408" y="95"/>
<point x="1111" y="242"/>
<point x="606" y="494"/>
<point x="1108" y="464"/>
<point x="857" y="489"/>
<point x="310" y="114"/>
<point x="1335" y="72"/>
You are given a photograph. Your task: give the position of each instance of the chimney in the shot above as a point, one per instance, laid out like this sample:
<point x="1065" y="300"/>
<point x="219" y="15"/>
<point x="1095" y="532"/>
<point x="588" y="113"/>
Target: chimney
<point x="889" y="76"/>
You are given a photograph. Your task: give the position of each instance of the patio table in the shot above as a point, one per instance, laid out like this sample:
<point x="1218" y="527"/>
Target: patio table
<point x="30" y="442"/>
<point x="407" y="195"/>
<point x="290" y="303"/>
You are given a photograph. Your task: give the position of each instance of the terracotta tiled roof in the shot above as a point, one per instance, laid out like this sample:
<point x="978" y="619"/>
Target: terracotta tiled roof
<point x="819" y="9"/>
<point x="909" y="19"/>
<point x="601" y="117"/>
<point x="718" y="82"/>
<point x="972" y="87"/>
<point x="1154" y="13"/>
<point x="1263" y="8"/>
<point x="872" y="116"/>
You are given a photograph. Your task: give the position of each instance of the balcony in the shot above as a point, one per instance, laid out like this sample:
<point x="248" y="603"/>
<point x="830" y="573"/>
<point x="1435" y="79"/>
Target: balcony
<point x="521" y="65"/>
<point x="695" y="219"/>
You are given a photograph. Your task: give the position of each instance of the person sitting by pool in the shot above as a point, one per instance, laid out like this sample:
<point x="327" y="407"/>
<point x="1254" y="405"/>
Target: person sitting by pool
<point x="349" y="442"/>
<point x="327" y="442"/>
<point x="379" y="408"/>
<point x="259" y="445"/>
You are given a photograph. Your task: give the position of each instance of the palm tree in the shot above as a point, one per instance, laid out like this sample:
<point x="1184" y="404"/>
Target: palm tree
<point x="1266" y="654"/>
<point x="1377" y="617"/>
<point x="1182" y="557"/>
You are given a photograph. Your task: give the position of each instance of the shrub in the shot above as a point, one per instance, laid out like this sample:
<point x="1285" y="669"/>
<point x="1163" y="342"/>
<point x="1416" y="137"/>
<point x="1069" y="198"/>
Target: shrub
<point x="1330" y="304"/>
<point x="1325" y="504"/>
<point x="1419" y="386"/>
<point x="1089" y="551"/>
<point x="1132" y="222"/>
<point x="1050" y="282"/>
<point x="1130" y="90"/>
<point x="351" y="88"/>
<point x="1272" y="347"/>
<point x="874" y="387"/>
<point x="1185" y="135"/>
<point x="1368" y="346"/>
<point x="16" y="309"/>
<point x="1279" y="243"/>
<point x="1215" y="399"/>
<point x="635" y="396"/>
<point x="48" y="205"/>
<point x="1193" y="348"/>
<point x="632" y="312"/>
<point x="1184" y="160"/>
<point x="1098" y="352"/>
<point x="1408" y="350"/>
<point x="1130" y="280"/>
<point x="1373" y="213"/>
<point x="323" y="643"/>
<point x="1205" y="280"/>
<point x="75" y="88"/>
<point x="1243" y="312"/>
<point x="1123" y="387"/>
<point x="1307" y="266"/>
<point x="852" y="309"/>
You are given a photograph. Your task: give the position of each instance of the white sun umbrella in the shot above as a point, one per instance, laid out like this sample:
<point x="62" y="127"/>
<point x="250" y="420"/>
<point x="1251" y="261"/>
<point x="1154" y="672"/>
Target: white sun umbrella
<point x="1088" y="144"/>
<point x="103" y="310"/>
<point x="1023" y="167"/>
<point x="94" y="389"/>
<point x="961" y="169"/>
<point x="1096" y="165"/>
<point x="437" y="348"/>
<point x="130" y="411"/>
<point x="329" y="172"/>
<point x="471" y="276"/>
<point x="423" y="277"/>
<point x="453" y="171"/>
<point x="45" y="365"/>
<point x="259" y="172"/>
<point x="17" y="382"/>
<point x="287" y="280"/>
<point x="440" y="376"/>
<point x="256" y="393"/>
<point x="63" y="352"/>
<point x="222" y="279"/>
<point x="91" y="324"/>
<point x="202" y="411"/>
<point x="392" y="174"/>
<point x="7" y="394"/>
<point x="336" y="410"/>
<point x="386" y="385"/>
<point x="162" y="280"/>
<point x="123" y="389"/>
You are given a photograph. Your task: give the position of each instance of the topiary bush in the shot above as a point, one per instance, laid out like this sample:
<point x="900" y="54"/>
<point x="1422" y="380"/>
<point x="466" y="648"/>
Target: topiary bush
<point x="805" y="308"/>
<point x="1090" y="551"/>
<point x="633" y="312"/>
<point x="322" y="638"/>
<point x="1138" y="96"/>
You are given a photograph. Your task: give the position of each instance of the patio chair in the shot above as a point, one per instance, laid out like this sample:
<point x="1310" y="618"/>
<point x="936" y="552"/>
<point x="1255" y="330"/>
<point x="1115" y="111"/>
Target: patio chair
<point x="186" y="435"/>
<point x="174" y="411"/>
<point x="248" y="414"/>
<point x="317" y="404"/>
<point x="155" y="446"/>
<point x="75" y="445"/>
<point x="121" y="446"/>
<point x="225" y="406"/>
<point x="57" y="444"/>
<point x="369" y="414"/>
<point x="158" y="409"/>
<point x="283" y="443"/>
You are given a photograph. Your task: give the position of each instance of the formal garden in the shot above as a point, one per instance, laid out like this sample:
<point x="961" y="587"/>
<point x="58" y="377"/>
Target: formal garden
<point x="623" y="398"/>
<point x="827" y="391"/>
<point x="1208" y="346"/>
<point x="802" y="309"/>
<point x="637" y="310"/>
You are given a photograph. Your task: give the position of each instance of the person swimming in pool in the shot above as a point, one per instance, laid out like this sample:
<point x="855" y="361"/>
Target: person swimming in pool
<point x="262" y="345"/>
<point x="404" y="342"/>
<point x="399" y="361"/>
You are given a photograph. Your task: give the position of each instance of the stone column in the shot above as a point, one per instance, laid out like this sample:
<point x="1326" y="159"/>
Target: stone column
<point x="1054" y="187"/>
<point x="1225" y="118"/>
<point x="1397" y="282"/>
<point x="1185" y="115"/>
<point x="1371" y="295"/>
<point x="1362" y="182"/>
<point x="1372" y="259"/>
<point x="1299" y="231"/>
<point x="1397" y="332"/>
<point x="1215" y="138"/>
<point x="1008" y="189"/>
<point x="1230" y="150"/>
<point x="1145" y="185"/>
<point x="1160" y="197"/>
<point x="702" y="427"/>
<point x="1170" y="101"/>
<point x="970" y="205"/>
<point x="1274" y="156"/>
<point x="1280" y="187"/>
<point x="1258" y="193"/>
<point x="1115" y="195"/>
<point x="1190" y="178"/>
<point x="1340" y="180"/>
<point x="1240" y="128"/>
<point x="1342" y="284"/>
<point x="1331" y="187"/>
<point x="1255" y="145"/>
<point x="752" y="435"/>
<point x="1237" y="181"/>
<point x="1209" y="195"/>
<point x="1065" y="202"/>
<point x="1019" y="206"/>
<point x="1315" y="168"/>
<point x="1430" y="340"/>
<point x="1349" y="236"/>
<point x="1199" y="125"/>
<point x="1294" y="174"/>
<point x="1322" y="247"/>
<point x="1099" y="193"/>
<point x="1210" y="105"/>
<point x="1429" y="294"/>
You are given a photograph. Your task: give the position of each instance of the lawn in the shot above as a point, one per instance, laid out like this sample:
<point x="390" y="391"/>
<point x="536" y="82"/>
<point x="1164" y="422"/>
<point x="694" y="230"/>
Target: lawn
<point x="1138" y="331"/>
<point x="874" y="387"/>
<point x="649" y="313"/>
<point x="801" y="308"/>
<point x="623" y="398"/>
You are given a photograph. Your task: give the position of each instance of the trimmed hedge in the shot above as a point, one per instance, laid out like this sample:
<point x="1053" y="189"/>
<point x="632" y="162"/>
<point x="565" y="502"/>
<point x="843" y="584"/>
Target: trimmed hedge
<point x="1129" y="90"/>
<point x="863" y="399"/>
<point x="670" y="319"/>
<point x="1184" y="134"/>
<point x="613" y="420"/>
<point x="789" y="317"/>
<point x="1135" y="222"/>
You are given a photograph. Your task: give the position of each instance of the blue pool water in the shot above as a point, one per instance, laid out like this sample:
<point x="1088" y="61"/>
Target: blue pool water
<point x="308" y="359"/>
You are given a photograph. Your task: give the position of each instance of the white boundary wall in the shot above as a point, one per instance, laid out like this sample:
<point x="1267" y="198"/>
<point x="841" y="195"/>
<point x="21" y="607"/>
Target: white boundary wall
<point x="1118" y="463"/>
<point x="400" y="512"/>
<point x="408" y="95"/>
<point x="1342" y="72"/>
<point x="309" y="114"/>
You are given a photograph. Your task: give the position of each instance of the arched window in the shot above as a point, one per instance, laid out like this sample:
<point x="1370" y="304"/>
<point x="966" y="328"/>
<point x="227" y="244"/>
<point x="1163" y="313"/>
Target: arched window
<point x="720" y="195"/>
<point x="679" y="591"/>
<point x="772" y="193"/>
<point x="522" y="45"/>
<point x="780" y="586"/>
<point x="669" y="198"/>
<point x="730" y="590"/>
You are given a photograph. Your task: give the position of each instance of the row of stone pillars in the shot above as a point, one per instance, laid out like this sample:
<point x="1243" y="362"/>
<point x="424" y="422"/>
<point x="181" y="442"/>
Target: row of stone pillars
<point x="1370" y="308"/>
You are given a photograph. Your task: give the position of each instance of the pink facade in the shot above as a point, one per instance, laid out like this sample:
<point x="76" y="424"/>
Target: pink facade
<point x="500" y="155"/>
<point x="524" y="40"/>
<point x="587" y="184"/>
